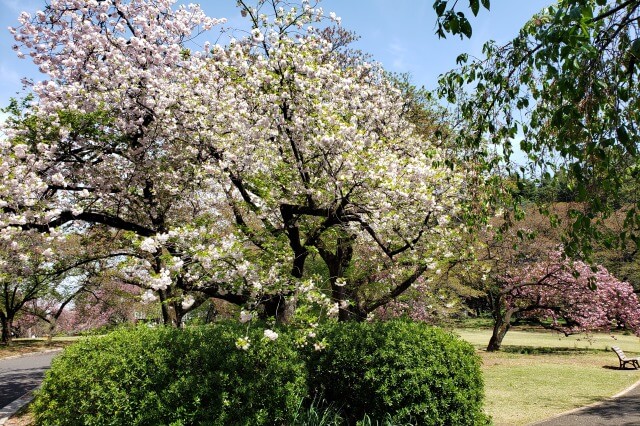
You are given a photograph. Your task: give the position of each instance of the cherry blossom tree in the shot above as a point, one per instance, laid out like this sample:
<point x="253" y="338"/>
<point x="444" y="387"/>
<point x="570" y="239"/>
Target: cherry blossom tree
<point x="342" y="173"/>
<point x="36" y="266"/>
<point x="124" y="151"/>
<point x="223" y="169"/>
<point x="569" y="294"/>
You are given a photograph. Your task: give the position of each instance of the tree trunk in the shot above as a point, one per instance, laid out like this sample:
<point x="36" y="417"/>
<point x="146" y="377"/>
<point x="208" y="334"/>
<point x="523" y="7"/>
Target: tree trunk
<point x="52" y="327"/>
<point x="212" y="313"/>
<point x="5" y="329"/>
<point x="338" y="263"/>
<point x="167" y="315"/>
<point x="280" y="307"/>
<point x="502" y="323"/>
<point x="352" y="313"/>
<point x="7" y="326"/>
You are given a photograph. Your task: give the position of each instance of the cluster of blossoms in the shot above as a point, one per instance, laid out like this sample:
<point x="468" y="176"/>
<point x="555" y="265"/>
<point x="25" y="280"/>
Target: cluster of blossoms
<point x="223" y="169"/>
<point x="585" y="300"/>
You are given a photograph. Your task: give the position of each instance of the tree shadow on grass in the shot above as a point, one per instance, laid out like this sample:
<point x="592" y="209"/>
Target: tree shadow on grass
<point x="536" y="350"/>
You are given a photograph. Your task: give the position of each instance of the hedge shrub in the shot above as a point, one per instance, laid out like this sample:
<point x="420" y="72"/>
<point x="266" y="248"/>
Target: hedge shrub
<point x="165" y="376"/>
<point x="406" y="371"/>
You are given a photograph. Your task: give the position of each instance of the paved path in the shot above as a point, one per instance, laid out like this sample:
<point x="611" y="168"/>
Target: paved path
<point x="20" y="375"/>
<point x="621" y="411"/>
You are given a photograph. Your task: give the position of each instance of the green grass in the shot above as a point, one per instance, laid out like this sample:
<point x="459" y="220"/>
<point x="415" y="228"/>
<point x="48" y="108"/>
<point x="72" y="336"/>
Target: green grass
<point x="539" y="374"/>
<point x="24" y="346"/>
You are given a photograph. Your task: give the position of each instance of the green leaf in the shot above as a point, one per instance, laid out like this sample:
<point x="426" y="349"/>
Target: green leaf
<point x="475" y="6"/>
<point x="625" y="140"/>
<point x="465" y="27"/>
<point x="575" y="13"/>
<point x="635" y="48"/>
<point x="462" y="58"/>
<point x="623" y="136"/>
<point x="486" y="4"/>
<point x="440" y="6"/>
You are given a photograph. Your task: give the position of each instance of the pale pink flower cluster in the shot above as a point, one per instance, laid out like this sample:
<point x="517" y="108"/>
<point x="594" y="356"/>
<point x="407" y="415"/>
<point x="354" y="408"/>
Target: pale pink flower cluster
<point x="561" y="289"/>
<point x="191" y="155"/>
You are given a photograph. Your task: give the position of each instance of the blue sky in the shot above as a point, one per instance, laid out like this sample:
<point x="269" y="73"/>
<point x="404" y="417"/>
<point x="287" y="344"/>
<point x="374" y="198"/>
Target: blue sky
<point x="398" y="33"/>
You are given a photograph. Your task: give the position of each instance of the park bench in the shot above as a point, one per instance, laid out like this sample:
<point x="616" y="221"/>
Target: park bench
<point x="624" y="360"/>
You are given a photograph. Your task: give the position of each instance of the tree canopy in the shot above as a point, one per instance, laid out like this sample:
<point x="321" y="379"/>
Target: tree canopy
<point x="278" y="167"/>
<point x="567" y="87"/>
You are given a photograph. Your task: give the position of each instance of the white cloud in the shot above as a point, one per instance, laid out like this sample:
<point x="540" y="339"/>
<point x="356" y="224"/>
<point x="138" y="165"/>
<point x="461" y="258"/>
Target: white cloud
<point x="398" y="53"/>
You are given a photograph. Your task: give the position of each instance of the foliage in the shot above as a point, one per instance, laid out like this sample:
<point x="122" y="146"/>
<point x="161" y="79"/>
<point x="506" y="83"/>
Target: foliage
<point x="568" y="83"/>
<point x="456" y="23"/>
<point x="167" y="376"/>
<point x="227" y="170"/>
<point x="414" y="373"/>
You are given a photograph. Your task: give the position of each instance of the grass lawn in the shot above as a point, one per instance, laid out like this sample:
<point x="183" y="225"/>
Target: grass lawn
<point x="540" y="373"/>
<point x="23" y="346"/>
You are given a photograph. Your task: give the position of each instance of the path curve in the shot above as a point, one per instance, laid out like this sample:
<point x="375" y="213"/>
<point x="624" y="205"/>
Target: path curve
<point x="621" y="410"/>
<point x="21" y="374"/>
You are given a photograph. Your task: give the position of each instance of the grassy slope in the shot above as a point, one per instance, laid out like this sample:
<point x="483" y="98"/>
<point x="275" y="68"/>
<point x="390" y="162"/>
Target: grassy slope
<point x="539" y="373"/>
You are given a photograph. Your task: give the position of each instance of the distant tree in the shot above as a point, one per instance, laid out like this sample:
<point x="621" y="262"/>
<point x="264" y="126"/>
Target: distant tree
<point x="46" y="268"/>
<point x="569" y="294"/>
<point x="27" y="272"/>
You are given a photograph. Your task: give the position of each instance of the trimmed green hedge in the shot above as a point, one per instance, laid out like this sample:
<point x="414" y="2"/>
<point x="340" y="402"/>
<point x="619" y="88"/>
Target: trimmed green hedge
<point x="394" y="372"/>
<point x="410" y="372"/>
<point x="166" y="376"/>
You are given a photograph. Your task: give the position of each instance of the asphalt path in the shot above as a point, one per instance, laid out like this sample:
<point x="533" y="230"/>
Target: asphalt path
<point x="620" y="411"/>
<point x="20" y="375"/>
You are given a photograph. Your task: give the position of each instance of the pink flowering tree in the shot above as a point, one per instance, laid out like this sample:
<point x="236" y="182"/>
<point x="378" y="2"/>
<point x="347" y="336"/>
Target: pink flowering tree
<point x="568" y="294"/>
<point x="35" y="267"/>
<point x="223" y="169"/>
<point x="115" y="138"/>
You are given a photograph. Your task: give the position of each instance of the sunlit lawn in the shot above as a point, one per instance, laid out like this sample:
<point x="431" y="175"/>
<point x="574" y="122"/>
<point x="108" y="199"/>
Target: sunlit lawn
<point x="23" y="346"/>
<point x="540" y="374"/>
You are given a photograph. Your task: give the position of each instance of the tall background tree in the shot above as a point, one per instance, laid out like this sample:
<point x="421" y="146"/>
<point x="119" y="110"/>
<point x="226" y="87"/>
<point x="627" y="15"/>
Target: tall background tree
<point x="567" y="86"/>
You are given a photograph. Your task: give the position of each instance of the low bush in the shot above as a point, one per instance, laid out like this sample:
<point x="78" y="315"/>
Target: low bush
<point x="383" y="373"/>
<point x="407" y="372"/>
<point x="165" y="376"/>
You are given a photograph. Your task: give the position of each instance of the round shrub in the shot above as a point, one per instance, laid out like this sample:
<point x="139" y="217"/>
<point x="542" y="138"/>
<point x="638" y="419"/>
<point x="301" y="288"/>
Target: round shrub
<point x="406" y="371"/>
<point x="165" y="376"/>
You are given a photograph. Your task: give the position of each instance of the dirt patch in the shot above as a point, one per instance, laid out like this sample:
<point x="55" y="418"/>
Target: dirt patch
<point x="22" y="418"/>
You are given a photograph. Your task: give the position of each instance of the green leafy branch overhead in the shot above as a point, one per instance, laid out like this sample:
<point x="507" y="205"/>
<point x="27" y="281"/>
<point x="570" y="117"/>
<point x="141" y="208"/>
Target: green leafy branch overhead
<point x="567" y="88"/>
<point x="455" y="22"/>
